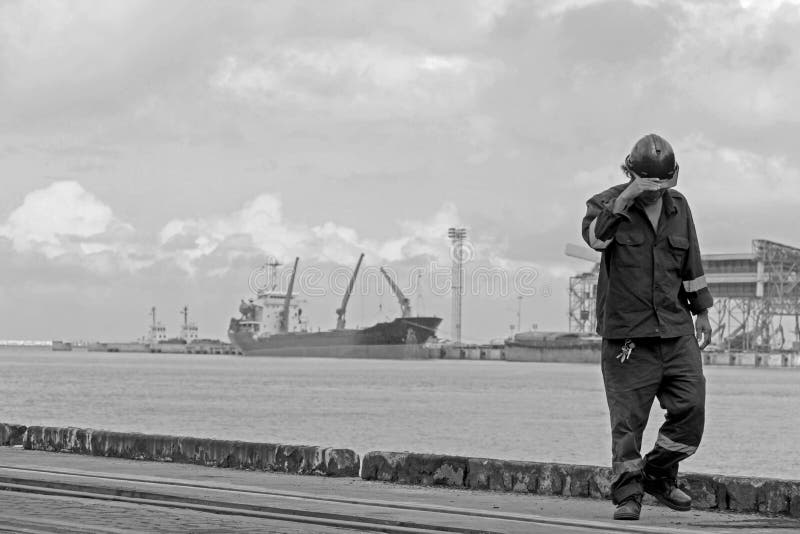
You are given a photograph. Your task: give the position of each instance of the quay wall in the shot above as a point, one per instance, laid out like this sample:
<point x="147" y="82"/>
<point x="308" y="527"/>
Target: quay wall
<point x="719" y="492"/>
<point x="591" y="354"/>
<point x="515" y="352"/>
<point x="196" y="347"/>
<point x="296" y="459"/>
<point x="753" y="359"/>
<point x="709" y="491"/>
<point x="585" y="353"/>
<point x="11" y="435"/>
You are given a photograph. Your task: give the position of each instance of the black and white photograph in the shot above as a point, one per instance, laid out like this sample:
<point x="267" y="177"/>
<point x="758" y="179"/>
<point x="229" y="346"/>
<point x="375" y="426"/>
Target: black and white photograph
<point x="399" y="266"/>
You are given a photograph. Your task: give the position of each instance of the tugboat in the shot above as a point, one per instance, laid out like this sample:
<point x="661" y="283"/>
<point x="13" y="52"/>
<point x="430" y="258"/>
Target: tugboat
<point x="273" y="325"/>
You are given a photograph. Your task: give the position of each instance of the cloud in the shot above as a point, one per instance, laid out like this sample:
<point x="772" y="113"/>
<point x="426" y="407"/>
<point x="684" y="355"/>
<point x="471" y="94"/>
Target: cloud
<point x="260" y="225"/>
<point x="742" y="71"/>
<point x="423" y="238"/>
<point x="356" y="77"/>
<point x="728" y="178"/>
<point x="48" y="218"/>
<point x="615" y="32"/>
<point x="67" y="224"/>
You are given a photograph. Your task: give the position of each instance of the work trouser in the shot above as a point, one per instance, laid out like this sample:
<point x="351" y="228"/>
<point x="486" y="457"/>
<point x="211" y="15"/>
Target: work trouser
<point x="672" y="370"/>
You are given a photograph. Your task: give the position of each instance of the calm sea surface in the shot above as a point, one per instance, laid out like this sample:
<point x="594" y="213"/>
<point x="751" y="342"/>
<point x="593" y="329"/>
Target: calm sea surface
<point x="510" y="410"/>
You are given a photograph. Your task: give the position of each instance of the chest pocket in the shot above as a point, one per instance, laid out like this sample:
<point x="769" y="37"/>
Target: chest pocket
<point x="629" y="249"/>
<point x="678" y="246"/>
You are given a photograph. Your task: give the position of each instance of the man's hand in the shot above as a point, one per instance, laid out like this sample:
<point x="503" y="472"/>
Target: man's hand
<point x="702" y="328"/>
<point x="637" y="186"/>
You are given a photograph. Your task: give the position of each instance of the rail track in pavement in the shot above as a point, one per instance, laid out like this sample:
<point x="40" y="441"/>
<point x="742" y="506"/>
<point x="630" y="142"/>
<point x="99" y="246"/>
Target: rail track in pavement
<point x="358" y="514"/>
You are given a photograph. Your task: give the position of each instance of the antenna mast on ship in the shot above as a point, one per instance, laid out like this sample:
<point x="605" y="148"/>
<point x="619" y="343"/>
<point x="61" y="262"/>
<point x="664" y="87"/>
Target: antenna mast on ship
<point x="273" y="272"/>
<point x="343" y="308"/>
<point x="284" y="328"/>
<point x="405" y="304"/>
<point x="185" y="314"/>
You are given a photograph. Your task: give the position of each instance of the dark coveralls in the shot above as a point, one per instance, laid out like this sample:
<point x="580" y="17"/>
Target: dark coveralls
<point x="650" y="284"/>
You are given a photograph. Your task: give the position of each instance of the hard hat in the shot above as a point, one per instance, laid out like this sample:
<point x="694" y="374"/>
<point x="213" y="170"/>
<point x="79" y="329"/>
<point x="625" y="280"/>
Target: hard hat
<point x="652" y="157"/>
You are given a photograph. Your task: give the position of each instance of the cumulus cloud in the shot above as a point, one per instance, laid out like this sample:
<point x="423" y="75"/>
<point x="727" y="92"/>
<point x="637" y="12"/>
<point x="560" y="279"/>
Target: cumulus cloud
<point x="260" y="222"/>
<point x="67" y="224"/>
<point x="49" y="217"/>
<point x="260" y="225"/>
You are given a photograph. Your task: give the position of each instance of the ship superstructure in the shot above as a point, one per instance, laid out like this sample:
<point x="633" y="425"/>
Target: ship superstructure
<point x="272" y="311"/>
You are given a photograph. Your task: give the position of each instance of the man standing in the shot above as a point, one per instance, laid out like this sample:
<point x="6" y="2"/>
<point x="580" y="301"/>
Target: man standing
<point x="650" y="284"/>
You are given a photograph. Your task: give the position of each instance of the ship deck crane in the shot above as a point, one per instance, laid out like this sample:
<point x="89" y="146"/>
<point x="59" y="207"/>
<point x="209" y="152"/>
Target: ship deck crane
<point x="405" y="304"/>
<point x="284" y="325"/>
<point x="340" y="312"/>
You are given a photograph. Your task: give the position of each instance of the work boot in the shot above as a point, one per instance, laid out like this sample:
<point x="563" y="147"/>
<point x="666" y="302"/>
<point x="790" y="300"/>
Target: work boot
<point x="629" y="509"/>
<point x="667" y="493"/>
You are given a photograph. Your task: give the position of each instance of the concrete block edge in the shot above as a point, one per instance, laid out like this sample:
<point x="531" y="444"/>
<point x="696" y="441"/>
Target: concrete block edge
<point x="11" y="434"/>
<point x="709" y="491"/>
<point x="285" y="458"/>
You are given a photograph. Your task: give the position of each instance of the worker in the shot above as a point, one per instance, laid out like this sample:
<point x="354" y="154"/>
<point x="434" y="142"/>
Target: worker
<point x="650" y="284"/>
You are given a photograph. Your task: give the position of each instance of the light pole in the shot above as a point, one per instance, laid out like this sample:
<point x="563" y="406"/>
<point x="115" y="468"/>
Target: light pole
<point x="457" y="236"/>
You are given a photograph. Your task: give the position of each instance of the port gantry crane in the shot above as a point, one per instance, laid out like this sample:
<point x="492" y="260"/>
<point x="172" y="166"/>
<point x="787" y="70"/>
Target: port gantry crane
<point x="405" y="304"/>
<point x="583" y="290"/>
<point x="340" y="312"/>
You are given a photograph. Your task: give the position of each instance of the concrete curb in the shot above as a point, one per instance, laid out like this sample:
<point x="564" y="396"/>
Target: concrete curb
<point x="724" y="493"/>
<point x="296" y="459"/>
<point x="11" y="434"/>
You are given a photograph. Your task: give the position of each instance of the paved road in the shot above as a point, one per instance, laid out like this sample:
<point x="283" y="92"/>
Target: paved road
<point x="27" y="513"/>
<point x="268" y="497"/>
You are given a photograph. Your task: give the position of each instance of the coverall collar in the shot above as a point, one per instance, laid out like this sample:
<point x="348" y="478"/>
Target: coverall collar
<point x="668" y="205"/>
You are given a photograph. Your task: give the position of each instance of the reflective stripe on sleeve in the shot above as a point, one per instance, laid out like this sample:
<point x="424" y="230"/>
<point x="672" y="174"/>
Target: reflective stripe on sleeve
<point x="665" y="443"/>
<point x="692" y="286"/>
<point x="595" y="243"/>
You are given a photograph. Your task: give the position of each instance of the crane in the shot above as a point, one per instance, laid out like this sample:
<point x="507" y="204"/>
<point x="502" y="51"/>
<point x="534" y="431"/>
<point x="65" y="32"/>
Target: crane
<point x="343" y="308"/>
<point x="284" y="326"/>
<point x="405" y="304"/>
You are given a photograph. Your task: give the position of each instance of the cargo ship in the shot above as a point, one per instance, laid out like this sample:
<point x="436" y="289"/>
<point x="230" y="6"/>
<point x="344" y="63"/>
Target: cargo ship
<point x="273" y="324"/>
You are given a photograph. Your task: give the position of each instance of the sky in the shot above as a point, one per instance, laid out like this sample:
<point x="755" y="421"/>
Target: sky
<point x="159" y="153"/>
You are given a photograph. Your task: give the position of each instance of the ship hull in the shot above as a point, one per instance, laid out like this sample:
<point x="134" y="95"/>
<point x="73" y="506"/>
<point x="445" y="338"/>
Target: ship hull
<point x="372" y="352"/>
<point x="399" y="339"/>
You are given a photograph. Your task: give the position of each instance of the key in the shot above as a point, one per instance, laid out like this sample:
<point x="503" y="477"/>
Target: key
<point x="625" y="351"/>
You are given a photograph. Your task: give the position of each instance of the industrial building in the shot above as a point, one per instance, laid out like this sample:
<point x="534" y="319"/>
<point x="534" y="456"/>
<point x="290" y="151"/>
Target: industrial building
<point x="756" y="297"/>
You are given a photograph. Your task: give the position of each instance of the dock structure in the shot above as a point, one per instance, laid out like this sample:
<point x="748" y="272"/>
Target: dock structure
<point x="756" y="297"/>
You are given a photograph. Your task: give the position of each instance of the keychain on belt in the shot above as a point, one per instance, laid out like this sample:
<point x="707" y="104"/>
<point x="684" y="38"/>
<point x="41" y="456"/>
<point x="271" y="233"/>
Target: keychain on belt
<point x="625" y="351"/>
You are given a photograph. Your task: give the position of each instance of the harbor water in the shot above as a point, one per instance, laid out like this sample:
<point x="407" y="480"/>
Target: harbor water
<point x="545" y="412"/>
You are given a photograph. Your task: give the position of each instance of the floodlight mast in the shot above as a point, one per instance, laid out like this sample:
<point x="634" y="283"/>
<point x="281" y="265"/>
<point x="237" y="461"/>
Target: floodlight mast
<point x="457" y="237"/>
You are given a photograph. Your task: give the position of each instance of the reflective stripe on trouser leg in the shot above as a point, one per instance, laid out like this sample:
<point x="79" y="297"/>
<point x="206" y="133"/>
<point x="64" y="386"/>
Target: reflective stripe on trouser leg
<point x="630" y="389"/>
<point x="682" y="395"/>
